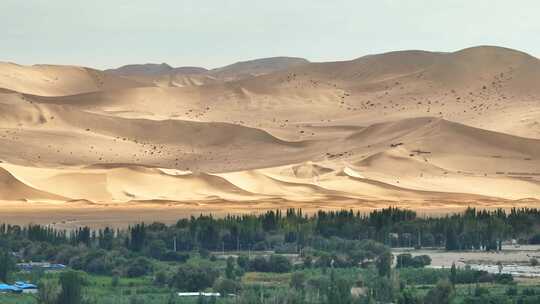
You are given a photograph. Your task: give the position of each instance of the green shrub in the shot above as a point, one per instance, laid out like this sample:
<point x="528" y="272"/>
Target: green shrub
<point x="192" y="278"/>
<point x="511" y="291"/>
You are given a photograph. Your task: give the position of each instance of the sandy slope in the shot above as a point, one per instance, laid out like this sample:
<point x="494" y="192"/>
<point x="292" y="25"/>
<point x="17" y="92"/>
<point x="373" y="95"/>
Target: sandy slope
<point x="54" y="80"/>
<point x="431" y="131"/>
<point x="13" y="189"/>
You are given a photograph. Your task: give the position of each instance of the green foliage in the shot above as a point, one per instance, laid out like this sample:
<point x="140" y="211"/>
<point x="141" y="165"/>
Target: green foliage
<point x="338" y="291"/>
<point x="229" y="271"/>
<point x="157" y="249"/>
<point x="407" y="260"/>
<point x="442" y="293"/>
<point x="408" y="296"/>
<point x="7" y="265"/>
<point x="194" y="278"/>
<point x="243" y="262"/>
<point x="70" y="287"/>
<point x="511" y="291"/>
<point x="298" y="281"/>
<point x="161" y="278"/>
<point x="384" y="289"/>
<point x="204" y="253"/>
<point x="115" y="281"/>
<point x="480" y="291"/>
<point x="227" y="286"/>
<point x="453" y="274"/>
<point x="138" y="237"/>
<point x="336" y="243"/>
<point x="279" y="264"/>
<point x="275" y="263"/>
<point x="384" y="264"/>
<point x="48" y="291"/>
<point x="139" y="267"/>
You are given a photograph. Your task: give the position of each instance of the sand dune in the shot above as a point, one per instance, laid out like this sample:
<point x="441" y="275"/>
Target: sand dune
<point x="13" y="189"/>
<point x="52" y="80"/>
<point x="485" y="87"/>
<point x="410" y="128"/>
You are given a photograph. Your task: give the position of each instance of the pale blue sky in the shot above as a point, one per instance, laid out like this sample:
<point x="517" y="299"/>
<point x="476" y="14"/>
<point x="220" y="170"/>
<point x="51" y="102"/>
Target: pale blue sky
<point x="212" y="33"/>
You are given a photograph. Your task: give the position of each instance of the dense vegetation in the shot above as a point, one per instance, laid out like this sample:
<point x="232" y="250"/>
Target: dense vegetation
<point x="274" y="257"/>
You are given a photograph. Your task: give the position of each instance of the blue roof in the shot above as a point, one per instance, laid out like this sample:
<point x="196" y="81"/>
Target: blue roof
<point x="9" y="288"/>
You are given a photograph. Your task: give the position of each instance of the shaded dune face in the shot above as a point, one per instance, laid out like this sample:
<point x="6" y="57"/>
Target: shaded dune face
<point x="13" y="189"/>
<point x="412" y="127"/>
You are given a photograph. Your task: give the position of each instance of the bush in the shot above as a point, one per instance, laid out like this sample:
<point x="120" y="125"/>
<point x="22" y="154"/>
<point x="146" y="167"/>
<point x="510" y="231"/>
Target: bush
<point x="529" y="300"/>
<point x="227" y="286"/>
<point x="115" y="281"/>
<point x="192" y="279"/>
<point x="443" y="293"/>
<point x="139" y="267"/>
<point x="528" y="292"/>
<point x="407" y="260"/>
<point x="243" y="262"/>
<point x="259" y="264"/>
<point x="279" y="264"/>
<point x="421" y="261"/>
<point x="48" y="292"/>
<point x="172" y="256"/>
<point x="71" y="287"/>
<point x="408" y="297"/>
<point x="463" y="276"/>
<point x="157" y="249"/>
<point x="511" y="291"/>
<point x="161" y="278"/>
<point x="480" y="291"/>
<point x="7" y="264"/>
<point x="308" y="262"/>
<point x="403" y="260"/>
<point x="422" y="276"/>
<point x="276" y="263"/>
<point x="488" y="299"/>
<point x="503" y="278"/>
<point x="204" y="253"/>
<point x="298" y="281"/>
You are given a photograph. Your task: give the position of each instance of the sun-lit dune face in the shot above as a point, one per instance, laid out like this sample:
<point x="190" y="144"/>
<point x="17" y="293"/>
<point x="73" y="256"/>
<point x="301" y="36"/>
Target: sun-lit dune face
<point x="432" y="131"/>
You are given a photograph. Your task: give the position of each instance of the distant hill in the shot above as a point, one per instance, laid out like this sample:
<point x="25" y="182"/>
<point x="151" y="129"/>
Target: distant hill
<point x="153" y="69"/>
<point x="257" y="67"/>
<point x="166" y="75"/>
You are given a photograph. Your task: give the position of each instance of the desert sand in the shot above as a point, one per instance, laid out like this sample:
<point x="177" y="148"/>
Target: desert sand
<point x="434" y="132"/>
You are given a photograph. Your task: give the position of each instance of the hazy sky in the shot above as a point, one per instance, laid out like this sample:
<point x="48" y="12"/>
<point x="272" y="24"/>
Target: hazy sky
<point x="212" y="33"/>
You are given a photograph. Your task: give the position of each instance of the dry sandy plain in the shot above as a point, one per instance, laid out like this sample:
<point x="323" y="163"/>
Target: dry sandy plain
<point x="434" y="132"/>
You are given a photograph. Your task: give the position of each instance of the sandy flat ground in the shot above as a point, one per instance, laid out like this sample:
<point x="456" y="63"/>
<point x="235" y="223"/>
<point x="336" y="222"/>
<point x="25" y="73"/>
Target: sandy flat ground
<point x="70" y="215"/>
<point x="509" y="255"/>
<point x="515" y="260"/>
<point x="434" y="132"/>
